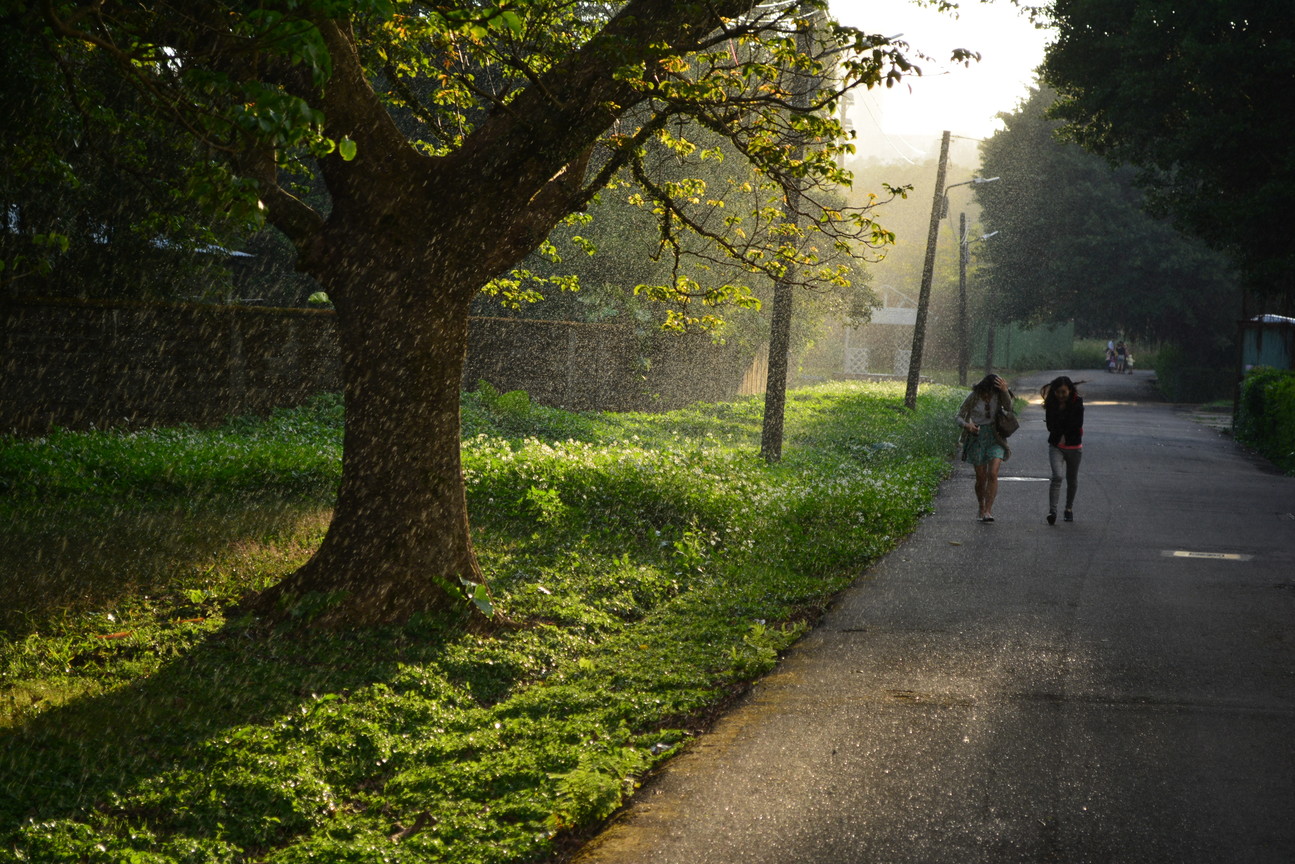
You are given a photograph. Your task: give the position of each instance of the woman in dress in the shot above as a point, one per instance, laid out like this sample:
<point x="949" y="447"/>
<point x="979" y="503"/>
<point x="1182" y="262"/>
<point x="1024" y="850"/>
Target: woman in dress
<point x="982" y="446"/>
<point x="1063" y="412"/>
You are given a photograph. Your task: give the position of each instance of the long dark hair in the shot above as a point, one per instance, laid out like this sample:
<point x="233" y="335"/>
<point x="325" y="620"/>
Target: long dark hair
<point x="986" y="386"/>
<point x="1048" y="391"/>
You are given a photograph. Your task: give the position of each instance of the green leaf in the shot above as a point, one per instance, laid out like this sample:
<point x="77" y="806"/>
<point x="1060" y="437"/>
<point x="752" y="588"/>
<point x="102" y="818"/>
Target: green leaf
<point x="481" y="598"/>
<point x="478" y="595"/>
<point x="511" y="21"/>
<point x="346" y="148"/>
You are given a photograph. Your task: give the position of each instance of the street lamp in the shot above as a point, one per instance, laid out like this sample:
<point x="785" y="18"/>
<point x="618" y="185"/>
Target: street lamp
<point x="963" y="253"/>
<point x="964" y="257"/>
<point x="974" y="181"/>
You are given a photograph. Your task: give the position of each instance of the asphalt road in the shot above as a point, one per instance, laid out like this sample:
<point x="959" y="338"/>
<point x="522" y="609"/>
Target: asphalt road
<point x="1117" y="689"/>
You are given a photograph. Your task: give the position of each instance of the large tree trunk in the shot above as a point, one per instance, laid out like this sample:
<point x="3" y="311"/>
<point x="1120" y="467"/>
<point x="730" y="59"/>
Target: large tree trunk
<point x="407" y="243"/>
<point x="399" y="542"/>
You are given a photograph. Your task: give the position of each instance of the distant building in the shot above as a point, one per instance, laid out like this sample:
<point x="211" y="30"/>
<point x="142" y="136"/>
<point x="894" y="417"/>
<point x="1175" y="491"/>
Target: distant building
<point x="1268" y="340"/>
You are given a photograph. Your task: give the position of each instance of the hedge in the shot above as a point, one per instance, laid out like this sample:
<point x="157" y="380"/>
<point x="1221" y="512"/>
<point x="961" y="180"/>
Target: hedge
<point x="1266" y="418"/>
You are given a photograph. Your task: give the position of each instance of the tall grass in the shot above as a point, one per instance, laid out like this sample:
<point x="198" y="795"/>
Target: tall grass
<point x="653" y="563"/>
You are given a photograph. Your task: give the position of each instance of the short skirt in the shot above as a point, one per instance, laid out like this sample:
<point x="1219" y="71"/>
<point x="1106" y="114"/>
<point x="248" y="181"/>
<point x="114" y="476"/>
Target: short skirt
<point x="983" y="447"/>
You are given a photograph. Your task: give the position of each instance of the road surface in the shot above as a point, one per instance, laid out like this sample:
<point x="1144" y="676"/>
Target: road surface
<point x="1117" y="689"/>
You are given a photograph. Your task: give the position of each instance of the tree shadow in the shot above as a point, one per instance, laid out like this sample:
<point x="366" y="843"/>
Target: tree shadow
<point x="63" y="560"/>
<point x="83" y="756"/>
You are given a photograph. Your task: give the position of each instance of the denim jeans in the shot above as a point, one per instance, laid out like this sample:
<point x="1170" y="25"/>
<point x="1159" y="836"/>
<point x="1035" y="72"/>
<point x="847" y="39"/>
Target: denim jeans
<point x="1067" y="461"/>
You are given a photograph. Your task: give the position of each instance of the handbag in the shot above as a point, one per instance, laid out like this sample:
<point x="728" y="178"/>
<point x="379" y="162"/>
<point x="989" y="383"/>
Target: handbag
<point x="1005" y="424"/>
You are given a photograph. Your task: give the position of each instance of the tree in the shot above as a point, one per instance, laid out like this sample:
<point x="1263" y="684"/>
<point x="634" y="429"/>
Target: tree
<point x="621" y="247"/>
<point x="89" y="184"/>
<point x="1075" y="243"/>
<point x="1197" y="96"/>
<point x="451" y="139"/>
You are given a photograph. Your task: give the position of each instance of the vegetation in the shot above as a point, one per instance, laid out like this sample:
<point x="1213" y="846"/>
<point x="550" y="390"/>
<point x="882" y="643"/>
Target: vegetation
<point x="1266" y="416"/>
<point x="1184" y="376"/>
<point x="608" y="261"/>
<point x="414" y="154"/>
<point x="650" y="566"/>
<point x="1185" y="93"/>
<point x="76" y="221"/>
<point x="1091" y="354"/>
<point x="1075" y="243"/>
<point x="901" y="267"/>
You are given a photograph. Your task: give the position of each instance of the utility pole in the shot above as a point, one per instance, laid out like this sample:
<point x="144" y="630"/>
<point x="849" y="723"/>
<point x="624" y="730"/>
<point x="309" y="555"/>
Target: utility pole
<point x="928" y="272"/>
<point x="963" y="254"/>
<point x="989" y="344"/>
<point x="964" y="339"/>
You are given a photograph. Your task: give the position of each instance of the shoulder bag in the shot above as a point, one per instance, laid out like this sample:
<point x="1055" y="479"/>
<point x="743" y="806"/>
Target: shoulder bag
<point x="1006" y="423"/>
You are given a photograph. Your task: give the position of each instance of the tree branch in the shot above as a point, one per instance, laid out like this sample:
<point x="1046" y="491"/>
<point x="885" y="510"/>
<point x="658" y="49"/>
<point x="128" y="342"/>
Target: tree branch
<point x="574" y="102"/>
<point x="299" y="222"/>
<point x="352" y="109"/>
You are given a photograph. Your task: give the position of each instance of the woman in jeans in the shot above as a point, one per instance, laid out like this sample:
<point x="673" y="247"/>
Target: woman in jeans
<point x="982" y="446"/>
<point x="1063" y="411"/>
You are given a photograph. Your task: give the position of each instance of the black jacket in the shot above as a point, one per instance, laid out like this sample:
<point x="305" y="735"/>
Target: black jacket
<point x="1065" y="426"/>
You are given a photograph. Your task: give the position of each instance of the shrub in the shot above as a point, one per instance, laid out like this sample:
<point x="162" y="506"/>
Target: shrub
<point x="1266" y="416"/>
<point x="1088" y="354"/>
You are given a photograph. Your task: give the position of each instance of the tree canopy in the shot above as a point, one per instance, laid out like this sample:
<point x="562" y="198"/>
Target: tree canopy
<point x="97" y="195"/>
<point x="622" y="246"/>
<point x="1075" y="243"/>
<point x="1196" y="96"/>
<point x="413" y="153"/>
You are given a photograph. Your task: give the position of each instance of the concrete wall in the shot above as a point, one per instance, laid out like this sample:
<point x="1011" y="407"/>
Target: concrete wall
<point x="79" y="364"/>
<point x="562" y="364"/>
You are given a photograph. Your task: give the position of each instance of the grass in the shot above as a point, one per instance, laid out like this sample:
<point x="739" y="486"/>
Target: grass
<point x="656" y="563"/>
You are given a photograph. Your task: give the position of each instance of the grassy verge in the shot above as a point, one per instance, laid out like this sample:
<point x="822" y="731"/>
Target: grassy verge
<point x="656" y="564"/>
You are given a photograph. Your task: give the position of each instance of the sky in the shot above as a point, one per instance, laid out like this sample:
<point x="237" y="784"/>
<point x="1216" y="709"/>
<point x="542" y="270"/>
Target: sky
<point x="906" y="120"/>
